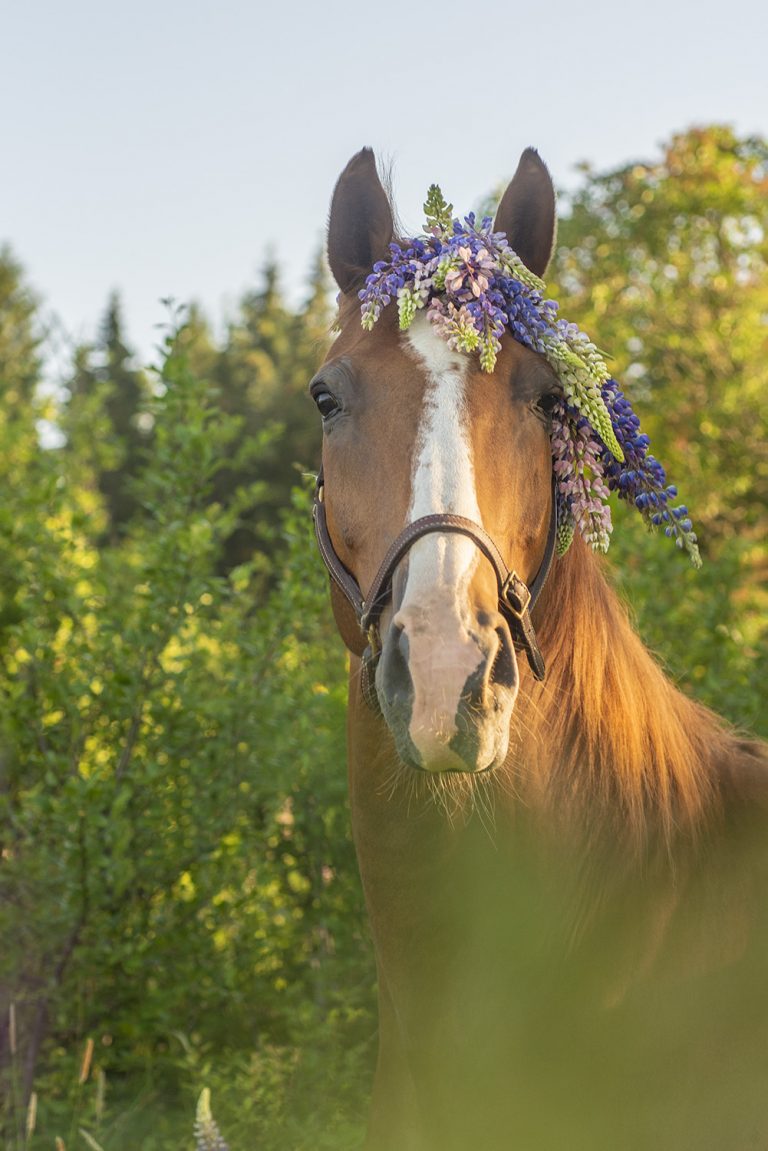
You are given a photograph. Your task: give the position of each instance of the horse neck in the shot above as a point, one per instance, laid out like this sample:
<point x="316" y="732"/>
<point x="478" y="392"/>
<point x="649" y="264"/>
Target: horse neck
<point x="607" y="730"/>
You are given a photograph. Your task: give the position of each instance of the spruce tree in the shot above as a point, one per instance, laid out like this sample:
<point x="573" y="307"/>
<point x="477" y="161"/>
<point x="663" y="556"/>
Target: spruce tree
<point x="20" y="337"/>
<point x="262" y="373"/>
<point x="105" y="422"/>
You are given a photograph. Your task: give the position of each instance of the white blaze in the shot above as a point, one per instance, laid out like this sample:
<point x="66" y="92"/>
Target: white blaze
<point x="434" y="611"/>
<point x="444" y="474"/>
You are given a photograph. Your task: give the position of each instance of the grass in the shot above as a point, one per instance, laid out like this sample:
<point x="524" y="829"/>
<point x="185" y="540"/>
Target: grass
<point x="269" y="1099"/>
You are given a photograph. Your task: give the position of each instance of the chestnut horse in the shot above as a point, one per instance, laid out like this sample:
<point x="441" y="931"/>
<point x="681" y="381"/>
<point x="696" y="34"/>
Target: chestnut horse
<point x="559" y="872"/>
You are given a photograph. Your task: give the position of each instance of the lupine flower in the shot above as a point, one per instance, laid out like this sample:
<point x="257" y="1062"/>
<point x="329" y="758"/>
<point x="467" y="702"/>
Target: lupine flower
<point x="641" y="479"/>
<point x="566" y="528"/>
<point x="438" y="212"/>
<point x="206" y="1131"/>
<point x="470" y="275"/>
<point x="578" y="468"/>
<point x="475" y="287"/>
<point x="456" y="325"/>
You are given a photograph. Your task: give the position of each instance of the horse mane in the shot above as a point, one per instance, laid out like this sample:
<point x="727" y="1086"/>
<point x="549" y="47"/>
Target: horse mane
<point x="607" y="731"/>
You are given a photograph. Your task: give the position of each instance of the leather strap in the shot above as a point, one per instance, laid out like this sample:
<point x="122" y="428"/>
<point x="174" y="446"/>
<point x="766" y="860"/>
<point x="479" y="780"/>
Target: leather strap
<point x="516" y="599"/>
<point x="439" y="522"/>
<point x="341" y="576"/>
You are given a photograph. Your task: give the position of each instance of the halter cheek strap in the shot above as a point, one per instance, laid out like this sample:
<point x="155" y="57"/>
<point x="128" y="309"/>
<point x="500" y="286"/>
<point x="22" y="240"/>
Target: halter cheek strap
<point x="516" y="599"/>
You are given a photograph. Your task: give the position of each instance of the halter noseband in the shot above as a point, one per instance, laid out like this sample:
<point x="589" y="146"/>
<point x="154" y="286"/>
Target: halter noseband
<point x="516" y="599"/>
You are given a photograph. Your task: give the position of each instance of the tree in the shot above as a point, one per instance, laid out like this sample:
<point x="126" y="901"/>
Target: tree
<point x="663" y="262"/>
<point x="105" y="411"/>
<point x="20" y="409"/>
<point x="666" y="263"/>
<point x="172" y="794"/>
<point x="271" y="352"/>
<point x="20" y="338"/>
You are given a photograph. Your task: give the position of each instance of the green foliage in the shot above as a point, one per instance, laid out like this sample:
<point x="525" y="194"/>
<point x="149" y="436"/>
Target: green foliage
<point x="664" y="263"/>
<point x="262" y="371"/>
<point x="104" y="421"/>
<point x="176" y="858"/>
<point x="19" y="338"/>
<point x="177" y="877"/>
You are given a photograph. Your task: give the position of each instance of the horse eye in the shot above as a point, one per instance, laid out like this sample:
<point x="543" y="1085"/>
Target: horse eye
<point x="327" y="404"/>
<point x="547" y="403"/>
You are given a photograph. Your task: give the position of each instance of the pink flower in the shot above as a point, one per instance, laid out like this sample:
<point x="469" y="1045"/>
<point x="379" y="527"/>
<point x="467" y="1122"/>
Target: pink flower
<point x="473" y="275"/>
<point x="578" y="467"/>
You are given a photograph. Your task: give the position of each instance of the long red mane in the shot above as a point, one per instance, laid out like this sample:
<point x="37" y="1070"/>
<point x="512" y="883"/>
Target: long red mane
<point x="608" y="728"/>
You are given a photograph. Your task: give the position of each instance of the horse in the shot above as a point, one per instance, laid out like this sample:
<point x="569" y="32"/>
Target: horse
<point x="560" y="852"/>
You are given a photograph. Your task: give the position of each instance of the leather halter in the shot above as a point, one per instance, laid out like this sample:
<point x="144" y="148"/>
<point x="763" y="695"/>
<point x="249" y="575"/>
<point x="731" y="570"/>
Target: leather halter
<point x="516" y="599"/>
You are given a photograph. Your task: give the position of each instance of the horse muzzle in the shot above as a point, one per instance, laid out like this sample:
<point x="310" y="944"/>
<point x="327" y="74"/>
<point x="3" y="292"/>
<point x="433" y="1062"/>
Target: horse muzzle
<point x="447" y="694"/>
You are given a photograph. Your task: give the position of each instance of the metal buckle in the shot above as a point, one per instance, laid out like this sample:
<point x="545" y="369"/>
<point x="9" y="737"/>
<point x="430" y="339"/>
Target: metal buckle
<point x="516" y="594"/>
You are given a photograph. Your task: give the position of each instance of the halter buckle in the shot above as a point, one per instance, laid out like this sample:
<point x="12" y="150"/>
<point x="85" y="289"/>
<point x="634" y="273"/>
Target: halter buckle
<point x="516" y="594"/>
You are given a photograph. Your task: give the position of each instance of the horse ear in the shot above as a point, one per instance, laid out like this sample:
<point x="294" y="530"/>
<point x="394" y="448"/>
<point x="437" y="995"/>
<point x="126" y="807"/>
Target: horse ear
<point x="527" y="212"/>
<point x="360" y="225"/>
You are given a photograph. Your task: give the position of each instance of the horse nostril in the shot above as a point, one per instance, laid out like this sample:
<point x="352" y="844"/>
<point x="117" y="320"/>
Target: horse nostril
<point x="504" y="667"/>
<point x="399" y="640"/>
<point x="394" y="676"/>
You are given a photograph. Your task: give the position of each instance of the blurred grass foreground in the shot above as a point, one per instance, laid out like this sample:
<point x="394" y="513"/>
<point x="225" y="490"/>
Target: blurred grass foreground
<point x="179" y="901"/>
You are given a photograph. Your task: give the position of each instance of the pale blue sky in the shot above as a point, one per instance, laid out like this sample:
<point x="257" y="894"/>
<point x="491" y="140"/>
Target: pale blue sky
<point x="162" y="148"/>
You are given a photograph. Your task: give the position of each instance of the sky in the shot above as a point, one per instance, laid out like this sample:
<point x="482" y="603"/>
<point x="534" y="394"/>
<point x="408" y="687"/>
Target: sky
<point x="161" y="148"/>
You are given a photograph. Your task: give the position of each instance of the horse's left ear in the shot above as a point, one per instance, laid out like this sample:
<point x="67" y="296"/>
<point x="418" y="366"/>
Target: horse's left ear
<point x="360" y="225"/>
<point x="527" y="212"/>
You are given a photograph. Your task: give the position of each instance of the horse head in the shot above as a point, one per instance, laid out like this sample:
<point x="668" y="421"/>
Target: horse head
<point x="437" y="494"/>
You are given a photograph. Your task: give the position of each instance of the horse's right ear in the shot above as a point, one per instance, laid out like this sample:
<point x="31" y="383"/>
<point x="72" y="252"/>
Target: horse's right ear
<point x="360" y="227"/>
<point x="527" y="212"/>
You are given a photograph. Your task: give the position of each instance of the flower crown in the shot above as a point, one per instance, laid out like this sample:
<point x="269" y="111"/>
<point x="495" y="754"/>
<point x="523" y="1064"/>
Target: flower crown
<point x="474" y="286"/>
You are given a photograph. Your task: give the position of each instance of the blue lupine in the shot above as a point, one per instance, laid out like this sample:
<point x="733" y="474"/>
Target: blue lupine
<point x="641" y="479"/>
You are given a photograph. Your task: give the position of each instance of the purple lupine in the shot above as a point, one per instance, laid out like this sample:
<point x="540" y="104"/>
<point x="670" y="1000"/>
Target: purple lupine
<point x="577" y="463"/>
<point x="474" y="286"/>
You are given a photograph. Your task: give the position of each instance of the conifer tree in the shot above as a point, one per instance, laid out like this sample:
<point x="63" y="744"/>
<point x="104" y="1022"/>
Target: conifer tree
<point x="20" y="337"/>
<point x="262" y="373"/>
<point x="20" y="374"/>
<point x="104" y="421"/>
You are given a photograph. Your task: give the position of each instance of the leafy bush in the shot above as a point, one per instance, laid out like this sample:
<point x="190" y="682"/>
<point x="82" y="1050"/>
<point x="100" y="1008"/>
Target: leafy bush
<point x="176" y="858"/>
